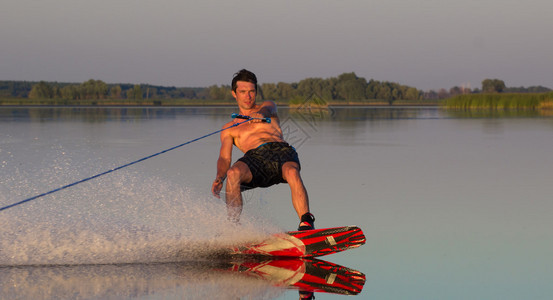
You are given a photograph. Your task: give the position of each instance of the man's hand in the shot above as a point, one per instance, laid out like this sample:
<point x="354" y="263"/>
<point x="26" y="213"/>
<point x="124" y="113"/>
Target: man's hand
<point x="217" y="187"/>
<point x="257" y="117"/>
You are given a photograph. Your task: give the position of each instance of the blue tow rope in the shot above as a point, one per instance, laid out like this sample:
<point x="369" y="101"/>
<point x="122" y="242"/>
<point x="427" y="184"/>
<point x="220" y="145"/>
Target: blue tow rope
<point x="268" y="120"/>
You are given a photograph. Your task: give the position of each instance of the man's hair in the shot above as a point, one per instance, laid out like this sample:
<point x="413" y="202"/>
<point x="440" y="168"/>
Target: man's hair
<point x="244" y="75"/>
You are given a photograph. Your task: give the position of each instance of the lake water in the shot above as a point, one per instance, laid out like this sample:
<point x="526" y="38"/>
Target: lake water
<point x="453" y="205"/>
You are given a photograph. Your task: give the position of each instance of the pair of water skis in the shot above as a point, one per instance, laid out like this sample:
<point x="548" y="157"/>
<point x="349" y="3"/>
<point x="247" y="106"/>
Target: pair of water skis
<point x="289" y="260"/>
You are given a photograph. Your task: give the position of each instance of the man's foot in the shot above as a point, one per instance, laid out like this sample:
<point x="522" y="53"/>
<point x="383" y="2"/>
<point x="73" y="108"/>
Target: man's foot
<point x="307" y="222"/>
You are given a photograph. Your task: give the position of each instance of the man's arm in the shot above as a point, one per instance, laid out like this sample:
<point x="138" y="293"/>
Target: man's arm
<point x="268" y="110"/>
<point x="223" y="163"/>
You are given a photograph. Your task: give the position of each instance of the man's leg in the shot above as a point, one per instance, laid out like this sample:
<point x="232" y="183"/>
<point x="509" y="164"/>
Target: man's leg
<point x="300" y="200"/>
<point x="236" y="175"/>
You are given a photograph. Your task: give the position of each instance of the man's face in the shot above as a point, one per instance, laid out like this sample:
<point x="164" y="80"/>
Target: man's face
<point x="245" y="94"/>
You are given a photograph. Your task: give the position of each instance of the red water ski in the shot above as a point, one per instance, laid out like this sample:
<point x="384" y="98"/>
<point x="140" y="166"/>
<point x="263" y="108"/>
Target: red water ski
<point x="311" y="275"/>
<point x="308" y="243"/>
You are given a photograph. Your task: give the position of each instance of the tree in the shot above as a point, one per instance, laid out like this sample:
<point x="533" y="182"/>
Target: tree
<point x="384" y="92"/>
<point x="69" y="92"/>
<point x="412" y="94"/>
<point x="285" y="91"/>
<point x="56" y="92"/>
<point x="371" y="90"/>
<point x="329" y="89"/>
<point x="351" y="87"/>
<point x="309" y="86"/>
<point x="219" y="93"/>
<point x="443" y="94"/>
<point x="269" y="91"/>
<point x="137" y="92"/>
<point x="115" y="92"/>
<point x="92" y="89"/>
<point x="492" y="86"/>
<point x="41" y="90"/>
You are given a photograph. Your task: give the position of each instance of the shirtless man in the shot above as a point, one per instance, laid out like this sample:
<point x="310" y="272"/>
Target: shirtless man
<point x="268" y="159"/>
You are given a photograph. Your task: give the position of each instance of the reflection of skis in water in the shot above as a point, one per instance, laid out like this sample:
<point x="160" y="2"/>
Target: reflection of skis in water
<point x="219" y="279"/>
<point x="312" y="275"/>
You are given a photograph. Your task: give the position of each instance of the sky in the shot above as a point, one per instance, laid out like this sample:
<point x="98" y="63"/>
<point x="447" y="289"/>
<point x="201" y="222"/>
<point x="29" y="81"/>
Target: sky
<point x="427" y="44"/>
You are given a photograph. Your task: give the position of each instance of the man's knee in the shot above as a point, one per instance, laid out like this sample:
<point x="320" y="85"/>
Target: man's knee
<point x="237" y="173"/>
<point x="233" y="175"/>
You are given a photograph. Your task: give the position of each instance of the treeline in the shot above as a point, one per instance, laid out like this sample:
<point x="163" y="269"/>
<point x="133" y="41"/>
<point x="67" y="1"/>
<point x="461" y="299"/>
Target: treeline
<point x="498" y="86"/>
<point x="346" y="87"/>
<point x="489" y="86"/>
<point x="95" y="89"/>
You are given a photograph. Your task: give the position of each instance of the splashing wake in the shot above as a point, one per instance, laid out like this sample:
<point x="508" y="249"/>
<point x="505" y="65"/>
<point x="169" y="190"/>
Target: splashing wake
<point x="121" y="220"/>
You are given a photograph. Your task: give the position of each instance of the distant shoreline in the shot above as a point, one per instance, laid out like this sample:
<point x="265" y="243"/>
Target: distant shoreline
<point x="192" y="103"/>
<point x="493" y="101"/>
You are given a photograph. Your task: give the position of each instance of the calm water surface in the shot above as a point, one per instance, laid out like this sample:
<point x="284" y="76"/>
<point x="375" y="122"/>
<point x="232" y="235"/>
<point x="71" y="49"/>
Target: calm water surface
<point x="453" y="206"/>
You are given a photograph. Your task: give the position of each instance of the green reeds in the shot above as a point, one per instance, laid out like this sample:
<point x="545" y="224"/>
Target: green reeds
<point x="508" y="101"/>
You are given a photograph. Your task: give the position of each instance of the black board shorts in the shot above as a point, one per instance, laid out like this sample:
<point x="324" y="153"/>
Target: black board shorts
<point x="265" y="163"/>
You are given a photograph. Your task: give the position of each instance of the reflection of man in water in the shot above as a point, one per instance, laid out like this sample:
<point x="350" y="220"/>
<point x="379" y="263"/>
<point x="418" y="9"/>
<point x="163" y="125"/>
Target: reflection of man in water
<point x="306" y="295"/>
<point x="268" y="159"/>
